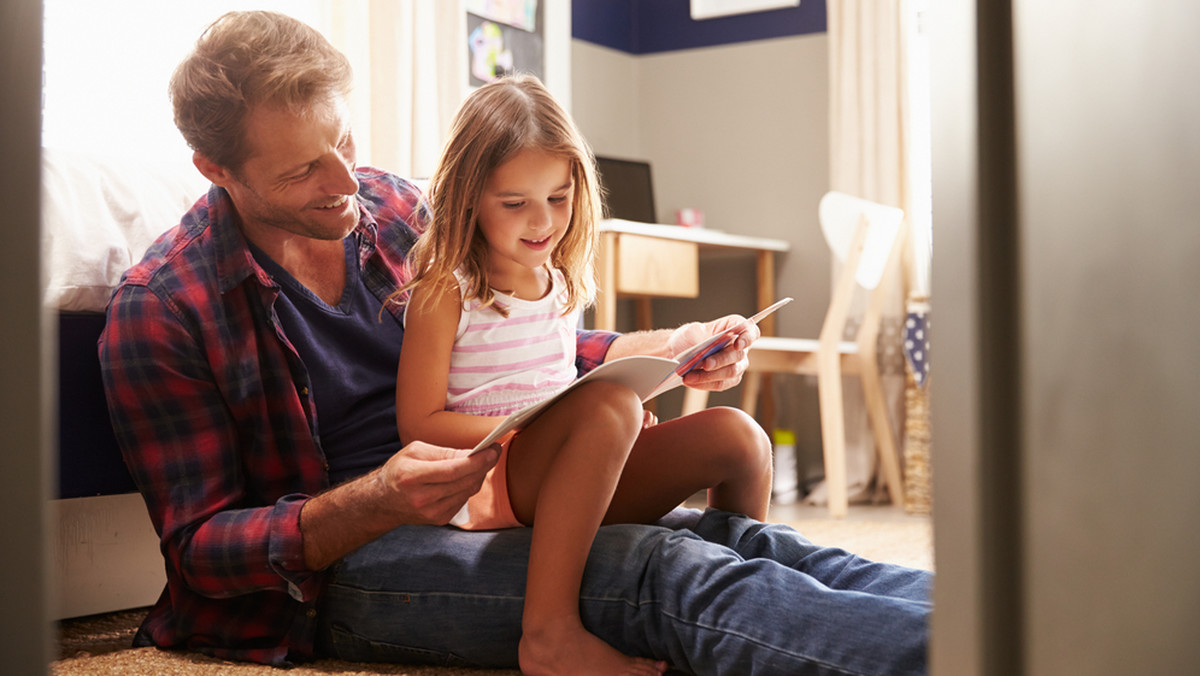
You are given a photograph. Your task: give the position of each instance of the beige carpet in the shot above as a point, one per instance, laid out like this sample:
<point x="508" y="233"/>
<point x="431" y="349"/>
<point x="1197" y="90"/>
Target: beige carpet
<point x="101" y="644"/>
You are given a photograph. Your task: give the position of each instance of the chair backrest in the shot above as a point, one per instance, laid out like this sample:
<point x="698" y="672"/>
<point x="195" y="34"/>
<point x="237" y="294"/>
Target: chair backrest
<point x="840" y="215"/>
<point x="866" y="236"/>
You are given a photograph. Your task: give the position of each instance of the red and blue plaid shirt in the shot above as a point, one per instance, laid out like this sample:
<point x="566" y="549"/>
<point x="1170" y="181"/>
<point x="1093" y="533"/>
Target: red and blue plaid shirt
<point x="211" y="406"/>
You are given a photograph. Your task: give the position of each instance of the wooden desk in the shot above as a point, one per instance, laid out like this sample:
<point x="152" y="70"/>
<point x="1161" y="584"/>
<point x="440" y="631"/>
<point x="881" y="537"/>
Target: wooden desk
<point x="646" y="260"/>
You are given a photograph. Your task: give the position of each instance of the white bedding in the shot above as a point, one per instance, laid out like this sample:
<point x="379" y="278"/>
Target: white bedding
<point x="100" y="214"/>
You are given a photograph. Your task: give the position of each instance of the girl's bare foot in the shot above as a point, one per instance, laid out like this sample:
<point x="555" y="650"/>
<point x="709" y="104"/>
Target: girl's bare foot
<point x="567" y="649"/>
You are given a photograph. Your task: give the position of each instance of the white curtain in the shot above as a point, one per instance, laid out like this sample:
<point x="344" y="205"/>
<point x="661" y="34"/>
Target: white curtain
<point x="409" y="61"/>
<point x="870" y="157"/>
<point x="112" y="60"/>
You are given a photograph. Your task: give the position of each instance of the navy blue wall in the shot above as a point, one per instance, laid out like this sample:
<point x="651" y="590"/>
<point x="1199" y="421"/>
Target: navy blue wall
<point x="649" y="26"/>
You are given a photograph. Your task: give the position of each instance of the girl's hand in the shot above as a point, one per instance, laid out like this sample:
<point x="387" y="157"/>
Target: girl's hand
<point x="648" y="419"/>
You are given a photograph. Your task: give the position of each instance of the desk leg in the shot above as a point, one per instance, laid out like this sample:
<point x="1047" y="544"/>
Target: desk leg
<point x="645" y="319"/>
<point x="766" y="289"/>
<point x="766" y="296"/>
<point x="606" y="272"/>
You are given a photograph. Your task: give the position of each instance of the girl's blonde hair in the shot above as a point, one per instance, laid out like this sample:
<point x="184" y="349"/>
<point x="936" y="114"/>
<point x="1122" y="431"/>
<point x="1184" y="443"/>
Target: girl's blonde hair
<point x="494" y="124"/>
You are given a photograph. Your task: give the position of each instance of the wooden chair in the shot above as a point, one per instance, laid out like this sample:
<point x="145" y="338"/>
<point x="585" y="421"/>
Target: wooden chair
<point x="867" y="237"/>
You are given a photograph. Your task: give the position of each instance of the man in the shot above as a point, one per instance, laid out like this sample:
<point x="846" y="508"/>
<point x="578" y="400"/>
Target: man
<point x="250" y="371"/>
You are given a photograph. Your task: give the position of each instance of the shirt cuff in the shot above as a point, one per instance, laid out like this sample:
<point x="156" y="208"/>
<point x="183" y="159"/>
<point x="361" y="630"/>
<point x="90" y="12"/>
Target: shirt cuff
<point x="591" y="348"/>
<point x="287" y="549"/>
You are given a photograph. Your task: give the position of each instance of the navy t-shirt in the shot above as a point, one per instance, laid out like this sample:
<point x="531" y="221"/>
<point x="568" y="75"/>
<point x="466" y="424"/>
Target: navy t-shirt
<point x="351" y="353"/>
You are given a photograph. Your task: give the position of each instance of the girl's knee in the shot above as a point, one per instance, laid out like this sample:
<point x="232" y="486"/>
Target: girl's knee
<point x="610" y="407"/>
<point x="745" y="441"/>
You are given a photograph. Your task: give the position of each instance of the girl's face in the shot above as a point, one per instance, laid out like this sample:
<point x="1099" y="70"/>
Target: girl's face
<point x="523" y="214"/>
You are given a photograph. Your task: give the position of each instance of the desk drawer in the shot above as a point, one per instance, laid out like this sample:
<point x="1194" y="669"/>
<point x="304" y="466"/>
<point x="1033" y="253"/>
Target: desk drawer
<point x="657" y="267"/>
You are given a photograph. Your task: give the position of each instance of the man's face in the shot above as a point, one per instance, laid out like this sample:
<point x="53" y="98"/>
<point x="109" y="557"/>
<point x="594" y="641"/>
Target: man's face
<point x="299" y="176"/>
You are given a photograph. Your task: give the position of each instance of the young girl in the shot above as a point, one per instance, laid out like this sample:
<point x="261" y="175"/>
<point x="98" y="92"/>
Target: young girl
<point x="499" y="279"/>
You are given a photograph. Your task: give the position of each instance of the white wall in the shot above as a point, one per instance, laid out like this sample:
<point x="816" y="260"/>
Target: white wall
<point x="604" y="99"/>
<point x="741" y="132"/>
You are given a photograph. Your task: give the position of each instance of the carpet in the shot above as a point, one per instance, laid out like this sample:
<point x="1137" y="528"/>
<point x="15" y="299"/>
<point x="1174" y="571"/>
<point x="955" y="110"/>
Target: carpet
<point x="100" y="644"/>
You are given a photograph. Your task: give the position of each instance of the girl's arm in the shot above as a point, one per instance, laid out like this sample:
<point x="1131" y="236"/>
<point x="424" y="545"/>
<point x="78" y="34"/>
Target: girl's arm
<point x="422" y="377"/>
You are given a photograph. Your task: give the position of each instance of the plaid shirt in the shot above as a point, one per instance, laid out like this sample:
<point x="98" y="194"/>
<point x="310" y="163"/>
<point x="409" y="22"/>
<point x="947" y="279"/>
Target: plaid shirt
<point x="211" y="406"/>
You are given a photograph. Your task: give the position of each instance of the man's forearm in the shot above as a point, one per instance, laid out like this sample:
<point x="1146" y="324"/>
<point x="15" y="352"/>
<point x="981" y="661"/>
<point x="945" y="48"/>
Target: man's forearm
<point x="653" y="343"/>
<point x="343" y="519"/>
<point x="420" y="484"/>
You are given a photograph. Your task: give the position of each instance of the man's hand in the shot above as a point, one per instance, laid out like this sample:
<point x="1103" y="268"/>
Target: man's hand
<point x="724" y="369"/>
<point x="426" y="484"/>
<point x="419" y="484"/>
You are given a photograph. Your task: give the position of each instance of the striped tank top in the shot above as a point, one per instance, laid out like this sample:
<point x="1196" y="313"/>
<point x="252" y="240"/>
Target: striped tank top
<point x="503" y="364"/>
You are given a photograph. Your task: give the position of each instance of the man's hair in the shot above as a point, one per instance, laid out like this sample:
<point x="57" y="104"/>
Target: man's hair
<point x="247" y="59"/>
<point x="494" y="124"/>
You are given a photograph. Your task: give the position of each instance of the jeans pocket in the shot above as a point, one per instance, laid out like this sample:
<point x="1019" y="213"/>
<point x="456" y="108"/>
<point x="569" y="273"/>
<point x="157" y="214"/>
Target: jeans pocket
<point x="349" y="646"/>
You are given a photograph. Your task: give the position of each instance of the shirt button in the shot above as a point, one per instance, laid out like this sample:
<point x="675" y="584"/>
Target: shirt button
<point x="304" y="391"/>
<point x="312" y="612"/>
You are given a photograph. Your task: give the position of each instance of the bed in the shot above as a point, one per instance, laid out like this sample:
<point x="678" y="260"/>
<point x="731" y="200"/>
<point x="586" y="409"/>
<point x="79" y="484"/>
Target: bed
<point x="99" y="214"/>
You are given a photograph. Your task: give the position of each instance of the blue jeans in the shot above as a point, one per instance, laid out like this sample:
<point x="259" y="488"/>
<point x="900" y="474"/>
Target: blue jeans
<point x="713" y="594"/>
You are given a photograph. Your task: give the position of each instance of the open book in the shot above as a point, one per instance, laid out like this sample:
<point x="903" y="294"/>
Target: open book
<point x="645" y="375"/>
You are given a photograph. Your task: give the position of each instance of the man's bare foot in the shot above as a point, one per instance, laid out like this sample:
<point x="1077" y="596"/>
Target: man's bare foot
<point x="569" y="650"/>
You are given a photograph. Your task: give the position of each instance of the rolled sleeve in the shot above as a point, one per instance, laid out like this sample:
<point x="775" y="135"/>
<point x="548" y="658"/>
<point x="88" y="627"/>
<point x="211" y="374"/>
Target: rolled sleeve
<point x="591" y="347"/>
<point x="287" y="549"/>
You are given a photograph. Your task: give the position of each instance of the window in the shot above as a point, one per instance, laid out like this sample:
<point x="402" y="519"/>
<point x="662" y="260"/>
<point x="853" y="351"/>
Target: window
<point x="107" y="64"/>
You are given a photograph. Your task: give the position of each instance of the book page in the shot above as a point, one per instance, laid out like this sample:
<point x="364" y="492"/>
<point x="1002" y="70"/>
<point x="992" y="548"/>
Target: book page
<point x="640" y="373"/>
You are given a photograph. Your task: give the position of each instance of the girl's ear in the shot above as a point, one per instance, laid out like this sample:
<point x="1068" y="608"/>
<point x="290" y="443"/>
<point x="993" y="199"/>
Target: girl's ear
<point x="211" y="170"/>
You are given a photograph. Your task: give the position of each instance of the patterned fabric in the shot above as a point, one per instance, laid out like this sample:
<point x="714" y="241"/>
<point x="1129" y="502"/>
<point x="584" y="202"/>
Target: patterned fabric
<point x="503" y="364"/>
<point x="212" y="408"/>
<point x="916" y="340"/>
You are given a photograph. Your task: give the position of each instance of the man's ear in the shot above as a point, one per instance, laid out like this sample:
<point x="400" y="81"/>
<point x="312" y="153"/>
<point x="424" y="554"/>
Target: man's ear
<point x="212" y="171"/>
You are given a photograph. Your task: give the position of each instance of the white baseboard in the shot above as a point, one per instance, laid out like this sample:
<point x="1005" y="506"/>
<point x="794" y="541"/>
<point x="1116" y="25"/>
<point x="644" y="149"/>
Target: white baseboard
<point x="105" y="555"/>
